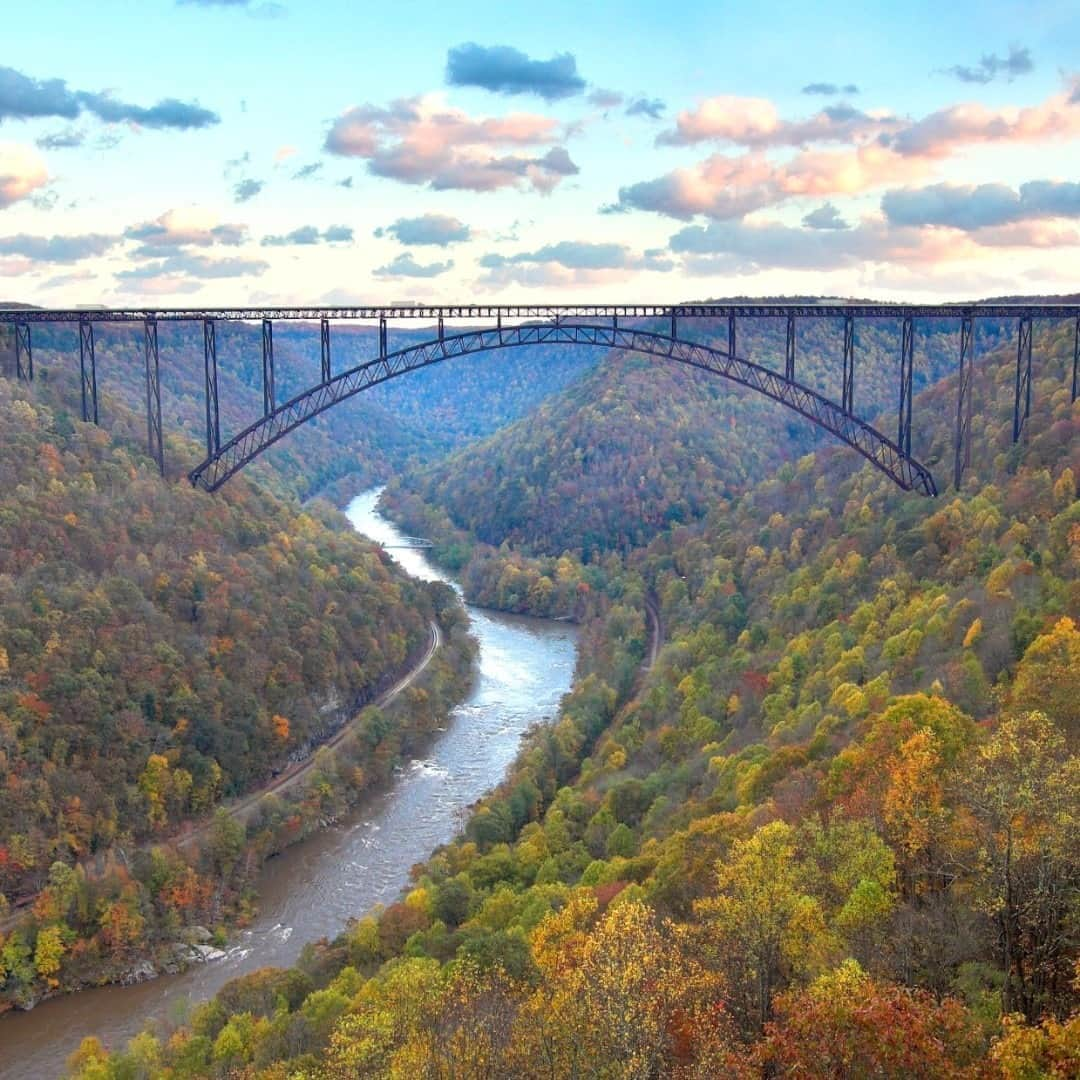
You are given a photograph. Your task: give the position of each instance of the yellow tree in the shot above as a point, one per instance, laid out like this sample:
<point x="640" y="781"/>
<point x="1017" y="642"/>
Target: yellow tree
<point x="623" y="1003"/>
<point x="48" y="952"/>
<point x="1048" y="678"/>
<point x="763" y="922"/>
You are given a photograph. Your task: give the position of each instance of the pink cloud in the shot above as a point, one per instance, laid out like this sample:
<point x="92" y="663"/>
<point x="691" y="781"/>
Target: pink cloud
<point x="756" y="122"/>
<point x="422" y="141"/>
<point x="21" y="172"/>
<point x="730" y="187"/>
<point x="941" y="133"/>
<point x="882" y="150"/>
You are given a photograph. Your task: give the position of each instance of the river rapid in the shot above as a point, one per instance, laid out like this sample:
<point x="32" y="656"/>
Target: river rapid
<point x="313" y="888"/>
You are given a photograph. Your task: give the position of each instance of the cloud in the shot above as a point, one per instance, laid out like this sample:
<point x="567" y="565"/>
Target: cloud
<point x="882" y="150"/>
<point x="568" y="264"/>
<point x="829" y="89"/>
<point x="571" y="262"/>
<point x="283" y="153"/>
<point x="309" y="234"/>
<point x="745" y="247"/>
<point x="167" y="113"/>
<point x="730" y="187"/>
<point x="604" y="99"/>
<point x="990" y="66"/>
<point x="756" y="123"/>
<point x="505" y="70"/>
<point x="642" y="106"/>
<point x="574" y="255"/>
<point x="21" y="172"/>
<point x="178" y="229"/>
<point x="438" y="229"/>
<point x="25" y="98"/>
<point x="57" y="249"/>
<point x="941" y="133"/>
<point x="406" y="266"/>
<point x="268" y="10"/>
<point x="970" y="207"/>
<point x="247" y="189"/>
<point x="195" y="266"/>
<point x="64" y="139"/>
<point x="233" y="164"/>
<point x="422" y="141"/>
<point x="825" y="216"/>
<point x="306" y="172"/>
<point x="71" y="278"/>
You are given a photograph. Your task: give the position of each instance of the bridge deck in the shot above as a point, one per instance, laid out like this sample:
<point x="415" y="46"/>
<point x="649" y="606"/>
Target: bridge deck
<point x="799" y="309"/>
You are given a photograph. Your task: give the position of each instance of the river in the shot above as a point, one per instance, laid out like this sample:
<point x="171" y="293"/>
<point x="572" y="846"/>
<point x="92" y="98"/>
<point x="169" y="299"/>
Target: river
<point x="313" y="888"/>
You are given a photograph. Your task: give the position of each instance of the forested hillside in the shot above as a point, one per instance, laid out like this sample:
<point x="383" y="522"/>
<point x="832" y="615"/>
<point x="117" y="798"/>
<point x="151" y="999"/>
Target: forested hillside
<point x="162" y="651"/>
<point x="640" y="443"/>
<point x="359" y="440"/>
<point x="834" y="833"/>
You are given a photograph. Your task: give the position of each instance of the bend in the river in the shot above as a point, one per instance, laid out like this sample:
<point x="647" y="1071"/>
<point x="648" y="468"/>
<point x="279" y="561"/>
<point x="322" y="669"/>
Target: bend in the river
<point x="312" y="889"/>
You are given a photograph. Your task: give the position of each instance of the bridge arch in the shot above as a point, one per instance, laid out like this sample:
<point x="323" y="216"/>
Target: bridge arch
<point x="866" y="440"/>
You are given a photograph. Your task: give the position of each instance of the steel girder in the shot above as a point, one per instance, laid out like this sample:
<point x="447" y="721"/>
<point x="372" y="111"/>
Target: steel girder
<point x="882" y="452"/>
<point x="500" y="312"/>
<point x="1022" y="400"/>
<point x="23" y="348"/>
<point x="964" y="382"/>
<point x="88" y="372"/>
<point x="154" y="437"/>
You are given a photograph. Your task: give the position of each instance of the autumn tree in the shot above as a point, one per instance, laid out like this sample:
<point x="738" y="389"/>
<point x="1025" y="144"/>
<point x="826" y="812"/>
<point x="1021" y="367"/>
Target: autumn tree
<point x="763" y="923"/>
<point x="1048" y="677"/>
<point x="846" y="1026"/>
<point x="1022" y="789"/>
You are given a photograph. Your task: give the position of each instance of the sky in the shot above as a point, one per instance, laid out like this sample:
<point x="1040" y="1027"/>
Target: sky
<point x="219" y="152"/>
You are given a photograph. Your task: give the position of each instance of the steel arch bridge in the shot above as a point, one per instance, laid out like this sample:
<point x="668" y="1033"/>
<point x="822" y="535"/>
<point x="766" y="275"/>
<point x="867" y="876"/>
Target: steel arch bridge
<point x="582" y="325"/>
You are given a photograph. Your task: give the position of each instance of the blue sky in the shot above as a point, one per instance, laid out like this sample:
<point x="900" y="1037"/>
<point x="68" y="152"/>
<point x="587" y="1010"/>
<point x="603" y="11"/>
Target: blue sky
<point x="223" y="151"/>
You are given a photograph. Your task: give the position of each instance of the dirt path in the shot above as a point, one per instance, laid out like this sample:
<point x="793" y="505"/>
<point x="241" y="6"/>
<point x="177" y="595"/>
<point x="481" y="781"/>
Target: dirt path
<point x="295" y="773"/>
<point x="656" y="633"/>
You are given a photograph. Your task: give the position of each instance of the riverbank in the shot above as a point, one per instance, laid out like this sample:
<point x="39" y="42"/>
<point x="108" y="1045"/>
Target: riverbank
<point x="313" y="888"/>
<point x="240" y="809"/>
<point x="311" y="794"/>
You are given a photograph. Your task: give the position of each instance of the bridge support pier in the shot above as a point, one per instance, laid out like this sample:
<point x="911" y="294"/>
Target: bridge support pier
<point x="965" y="381"/>
<point x="442" y="330"/>
<point x="382" y="339"/>
<point x="1022" y="400"/>
<point x="789" y="359"/>
<point x="907" y="368"/>
<point x="213" y="420"/>
<point x="268" y="366"/>
<point x="324" y="338"/>
<point x="848" y="399"/>
<point x="154" y="438"/>
<point x="731" y="336"/>
<point x="1076" y="359"/>
<point x="88" y="371"/>
<point x="22" y="348"/>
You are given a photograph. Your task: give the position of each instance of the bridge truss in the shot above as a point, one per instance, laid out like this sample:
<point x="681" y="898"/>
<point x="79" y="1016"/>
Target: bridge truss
<point x="517" y="325"/>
